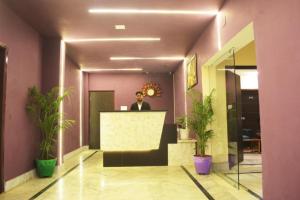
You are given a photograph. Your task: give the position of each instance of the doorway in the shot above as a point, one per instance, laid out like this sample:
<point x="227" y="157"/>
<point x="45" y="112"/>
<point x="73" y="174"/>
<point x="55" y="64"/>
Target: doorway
<point x="236" y="146"/>
<point x="250" y="168"/>
<point x="98" y="101"/>
<point x="3" y="63"/>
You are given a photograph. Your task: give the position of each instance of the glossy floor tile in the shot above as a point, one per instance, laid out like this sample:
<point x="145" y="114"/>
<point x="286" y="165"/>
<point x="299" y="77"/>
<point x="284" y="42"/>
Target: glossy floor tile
<point x="219" y="188"/>
<point x="33" y="186"/>
<point x="252" y="158"/>
<point x="89" y="180"/>
<point x="250" y="173"/>
<point x="92" y="181"/>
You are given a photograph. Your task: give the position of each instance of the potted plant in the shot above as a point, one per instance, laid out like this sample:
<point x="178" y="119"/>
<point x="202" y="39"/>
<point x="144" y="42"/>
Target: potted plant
<point x="44" y="110"/>
<point x="182" y="128"/>
<point x="199" y="120"/>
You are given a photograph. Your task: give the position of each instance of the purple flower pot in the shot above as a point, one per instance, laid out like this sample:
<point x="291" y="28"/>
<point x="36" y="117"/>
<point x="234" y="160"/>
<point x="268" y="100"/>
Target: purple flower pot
<point x="231" y="160"/>
<point x="202" y="164"/>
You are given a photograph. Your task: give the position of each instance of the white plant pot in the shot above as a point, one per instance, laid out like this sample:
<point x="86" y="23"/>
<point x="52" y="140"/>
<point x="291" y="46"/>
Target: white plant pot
<point x="184" y="134"/>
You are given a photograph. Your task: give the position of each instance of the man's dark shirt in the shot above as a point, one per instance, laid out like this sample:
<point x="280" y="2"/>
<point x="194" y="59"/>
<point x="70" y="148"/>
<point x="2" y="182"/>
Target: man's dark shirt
<point x="145" y="106"/>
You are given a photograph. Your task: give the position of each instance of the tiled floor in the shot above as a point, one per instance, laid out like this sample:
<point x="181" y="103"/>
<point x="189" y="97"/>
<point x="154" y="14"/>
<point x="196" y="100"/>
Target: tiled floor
<point x="30" y="188"/>
<point x="250" y="175"/>
<point x="218" y="188"/>
<point x="89" y="180"/>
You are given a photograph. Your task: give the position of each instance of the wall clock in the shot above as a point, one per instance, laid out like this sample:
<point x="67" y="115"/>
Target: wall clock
<point x="151" y="89"/>
<point x="150" y="92"/>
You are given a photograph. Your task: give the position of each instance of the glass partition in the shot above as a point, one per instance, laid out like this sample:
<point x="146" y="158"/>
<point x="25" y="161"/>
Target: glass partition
<point x="250" y="167"/>
<point x="236" y="145"/>
<point x="225" y="145"/>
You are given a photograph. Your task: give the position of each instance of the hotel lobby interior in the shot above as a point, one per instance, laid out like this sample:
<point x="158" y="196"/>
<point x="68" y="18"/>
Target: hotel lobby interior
<point x="158" y="100"/>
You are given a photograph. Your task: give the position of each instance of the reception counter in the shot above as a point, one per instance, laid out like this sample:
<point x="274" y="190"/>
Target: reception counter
<point x="138" y="138"/>
<point x="131" y="131"/>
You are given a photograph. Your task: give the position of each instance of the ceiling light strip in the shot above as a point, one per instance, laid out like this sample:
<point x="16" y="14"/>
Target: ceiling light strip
<point x="163" y="12"/>
<point x="61" y="105"/>
<point x="134" y="39"/>
<point x="109" y="69"/>
<point x="148" y="58"/>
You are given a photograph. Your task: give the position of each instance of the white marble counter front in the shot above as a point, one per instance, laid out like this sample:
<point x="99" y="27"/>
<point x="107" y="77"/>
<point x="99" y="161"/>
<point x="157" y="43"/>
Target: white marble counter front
<point x="131" y="131"/>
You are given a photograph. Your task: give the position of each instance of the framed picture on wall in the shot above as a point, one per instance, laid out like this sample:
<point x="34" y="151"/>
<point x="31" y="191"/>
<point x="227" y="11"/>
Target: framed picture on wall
<point x="191" y="72"/>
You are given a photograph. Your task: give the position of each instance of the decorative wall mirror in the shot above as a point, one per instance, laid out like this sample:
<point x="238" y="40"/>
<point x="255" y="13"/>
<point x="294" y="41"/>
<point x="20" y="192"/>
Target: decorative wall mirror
<point x="151" y="89"/>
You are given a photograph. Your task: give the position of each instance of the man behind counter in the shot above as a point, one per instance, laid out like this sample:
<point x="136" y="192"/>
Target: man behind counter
<point x="140" y="104"/>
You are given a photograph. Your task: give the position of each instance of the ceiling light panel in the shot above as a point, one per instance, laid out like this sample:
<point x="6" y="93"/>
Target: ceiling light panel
<point x="120" y="27"/>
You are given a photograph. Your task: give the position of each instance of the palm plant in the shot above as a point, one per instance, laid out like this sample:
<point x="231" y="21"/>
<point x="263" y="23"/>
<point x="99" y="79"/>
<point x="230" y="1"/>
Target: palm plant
<point x="44" y="109"/>
<point x="199" y="119"/>
<point x="181" y="122"/>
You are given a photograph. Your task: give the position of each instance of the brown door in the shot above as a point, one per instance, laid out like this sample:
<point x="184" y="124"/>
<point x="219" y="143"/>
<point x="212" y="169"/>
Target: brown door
<point x="99" y="101"/>
<point x="3" y="55"/>
<point x="250" y="110"/>
<point x="234" y="111"/>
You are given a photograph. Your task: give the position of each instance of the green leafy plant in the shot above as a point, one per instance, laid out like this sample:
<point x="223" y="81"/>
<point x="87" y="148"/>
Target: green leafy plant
<point x="200" y="117"/>
<point x="44" y="110"/>
<point x="181" y="122"/>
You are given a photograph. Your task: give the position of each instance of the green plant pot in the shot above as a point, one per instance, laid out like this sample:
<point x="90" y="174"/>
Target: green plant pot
<point x="45" y="168"/>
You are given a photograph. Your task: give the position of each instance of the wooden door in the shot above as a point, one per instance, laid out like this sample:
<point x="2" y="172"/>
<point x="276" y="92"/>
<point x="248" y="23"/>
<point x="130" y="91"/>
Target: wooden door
<point x="250" y="110"/>
<point x="99" y="101"/>
<point x="3" y="56"/>
<point x="234" y="111"/>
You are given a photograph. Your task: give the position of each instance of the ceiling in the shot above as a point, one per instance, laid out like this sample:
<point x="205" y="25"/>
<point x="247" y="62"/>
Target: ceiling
<point x="71" y="19"/>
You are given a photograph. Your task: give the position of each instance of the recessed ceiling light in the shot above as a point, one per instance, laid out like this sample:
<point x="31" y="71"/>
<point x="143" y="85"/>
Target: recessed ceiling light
<point x="148" y="58"/>
<point x="120" y="27"/>
<point x="109" y="69"/>
<point x="128" y="39"/>
<point x="163" y="12"/>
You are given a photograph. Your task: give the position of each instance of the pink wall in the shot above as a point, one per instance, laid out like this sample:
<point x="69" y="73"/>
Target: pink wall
<point x="72" y="106"/>
<point x="125" y="86"/>
<point x="21" y="138"/>
<point x="277" y="31"/>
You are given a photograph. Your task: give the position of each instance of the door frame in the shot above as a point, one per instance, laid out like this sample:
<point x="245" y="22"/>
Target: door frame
<point x="2" y="137"/>
<point x="89" y="92"/>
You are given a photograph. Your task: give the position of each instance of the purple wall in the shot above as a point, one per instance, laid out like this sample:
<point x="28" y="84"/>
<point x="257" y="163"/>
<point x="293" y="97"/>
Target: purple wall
<point x="179" y="85"/>
<point x="21" y="138"/>
<point x="277" y="31"/>
<point x="50" y="60"/>
<point x="125" y="86"/>
<point x="27" y="53"/>
<point x="86" y="108"/>
<point x="204" y="47"/>
<point x="50" y="76"/>
<point x="72" y="106"/>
